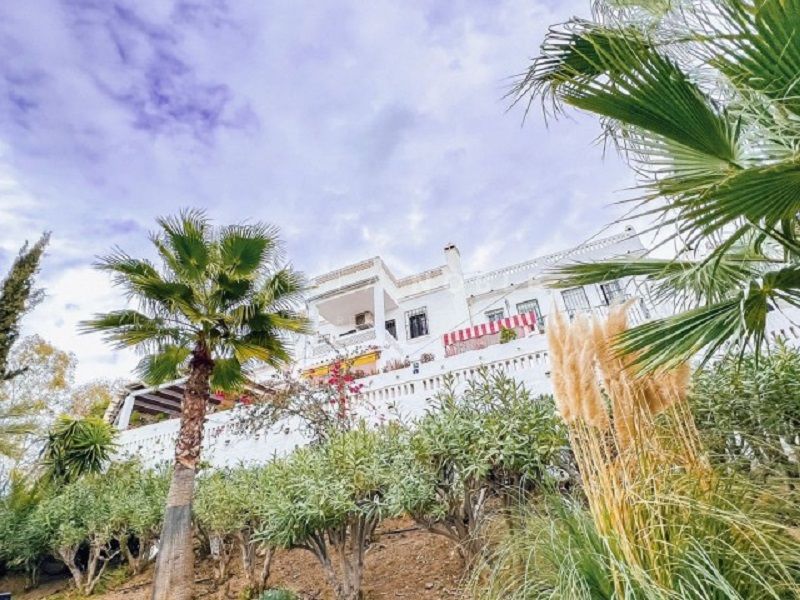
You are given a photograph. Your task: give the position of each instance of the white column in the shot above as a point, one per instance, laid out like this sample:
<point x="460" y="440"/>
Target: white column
<point x="379" y="310"/>
<point x="124" y="416"/>
<point x="311" y="339"/>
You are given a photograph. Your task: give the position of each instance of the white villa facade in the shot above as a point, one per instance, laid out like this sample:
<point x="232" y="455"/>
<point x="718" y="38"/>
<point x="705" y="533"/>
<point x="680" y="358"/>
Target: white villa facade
<point x="405" y="335"/>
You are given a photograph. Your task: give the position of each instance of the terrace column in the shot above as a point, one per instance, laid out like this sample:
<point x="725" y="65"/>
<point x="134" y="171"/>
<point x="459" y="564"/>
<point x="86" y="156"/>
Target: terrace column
<point x="379" y="310"/>
<point x="124" y="418"/>
<point x="311" y="340"/>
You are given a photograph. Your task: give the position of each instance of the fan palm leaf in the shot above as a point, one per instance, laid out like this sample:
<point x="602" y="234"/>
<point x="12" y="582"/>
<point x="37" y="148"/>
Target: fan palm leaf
<point x="703" y="99"/>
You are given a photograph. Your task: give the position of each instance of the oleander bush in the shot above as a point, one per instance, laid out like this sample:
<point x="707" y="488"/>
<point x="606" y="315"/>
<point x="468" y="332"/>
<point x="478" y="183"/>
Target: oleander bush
<point x="748" y="411"/>
<point x="329" y="499"/>
<point x="88" y="523"/>
<point x="490" y="445"/>
<point x="228" y="511"/>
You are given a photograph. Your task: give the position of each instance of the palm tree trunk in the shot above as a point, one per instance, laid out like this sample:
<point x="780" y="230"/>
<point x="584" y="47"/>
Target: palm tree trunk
<point x="174" y="574"/>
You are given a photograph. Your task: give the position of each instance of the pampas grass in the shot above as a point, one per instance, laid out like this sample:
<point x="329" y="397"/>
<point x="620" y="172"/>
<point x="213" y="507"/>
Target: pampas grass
<point x="647" y="483"/>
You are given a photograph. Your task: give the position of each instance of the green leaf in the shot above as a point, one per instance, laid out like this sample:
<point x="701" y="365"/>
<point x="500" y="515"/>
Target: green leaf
<point x="184" y="243"/>
<point x="166" y="365"/>
<point x="666" y="343"/>
<point x="757" y="45"/>
<point x="127" y="328"/>
<point x="244" y="248"/>
<point x="227" y="375"/>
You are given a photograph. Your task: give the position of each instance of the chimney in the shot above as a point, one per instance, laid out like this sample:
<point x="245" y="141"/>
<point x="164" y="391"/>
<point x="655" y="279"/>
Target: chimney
<point x="460" y="313"/>
<point x="453" y="259"/>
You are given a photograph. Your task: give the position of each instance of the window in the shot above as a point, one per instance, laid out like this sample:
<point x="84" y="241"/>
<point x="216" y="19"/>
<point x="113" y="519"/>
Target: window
<point x="495" y="315"/>
<point x="575" y="300"/>
<point x="391" y="328"/>
<point x="612" y="291"/>
<point x="530" y="306"/>
<point x="416" y="323"/>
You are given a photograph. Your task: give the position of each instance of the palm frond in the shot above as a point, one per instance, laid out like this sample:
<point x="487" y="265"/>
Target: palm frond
<point x="686" y="283"/>
<point x="274" y="347"/>
<point x="757" y="46"/>
<point x="168" y="364"/>
<point x="666" y="343"/>
<point x="230" y="290"/>
<point x="282" y="290"/>
<point x="227" y="375"/>
<point x="244" y="249"/>
<point x="184" y="243"/>
<point x="620" y="75"/>
<point x="130" y="328"/>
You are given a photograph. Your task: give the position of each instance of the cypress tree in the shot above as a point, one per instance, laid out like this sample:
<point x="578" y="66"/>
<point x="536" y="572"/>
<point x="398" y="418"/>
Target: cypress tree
<point x="17" y="297"/>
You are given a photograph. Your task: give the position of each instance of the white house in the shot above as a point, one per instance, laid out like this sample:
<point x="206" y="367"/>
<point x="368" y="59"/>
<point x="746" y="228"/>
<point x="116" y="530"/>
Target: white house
<point x="405" y="335"/>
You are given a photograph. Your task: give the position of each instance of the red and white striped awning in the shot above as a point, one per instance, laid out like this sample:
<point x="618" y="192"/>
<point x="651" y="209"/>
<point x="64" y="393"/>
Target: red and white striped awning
<point x="462" y="335"/>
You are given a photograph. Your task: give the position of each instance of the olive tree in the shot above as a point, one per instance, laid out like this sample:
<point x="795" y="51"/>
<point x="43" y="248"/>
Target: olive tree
<point x="227" y="508"/>
<point x="492" y="440"/>
<point x="329" y="499"/>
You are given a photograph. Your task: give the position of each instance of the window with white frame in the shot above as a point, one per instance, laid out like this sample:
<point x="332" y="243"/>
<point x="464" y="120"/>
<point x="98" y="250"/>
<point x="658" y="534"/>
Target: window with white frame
<point x="495" y="315"/>
<point x="416" y="323"/>
<point x="530" y="306"/>
<point x="612" y="291"/>
<point x="575" y="300"/>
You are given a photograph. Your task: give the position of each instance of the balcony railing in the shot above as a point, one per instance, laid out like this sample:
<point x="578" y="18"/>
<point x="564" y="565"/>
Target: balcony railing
<point x="349" y="340"/>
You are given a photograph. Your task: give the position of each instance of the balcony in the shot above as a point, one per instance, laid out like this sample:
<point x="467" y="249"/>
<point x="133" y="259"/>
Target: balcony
<point x="349" y="341"/>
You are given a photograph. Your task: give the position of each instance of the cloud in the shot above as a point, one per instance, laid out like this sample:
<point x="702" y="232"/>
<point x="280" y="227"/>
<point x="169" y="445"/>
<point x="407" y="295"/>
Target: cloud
<point x="357" y="127"/>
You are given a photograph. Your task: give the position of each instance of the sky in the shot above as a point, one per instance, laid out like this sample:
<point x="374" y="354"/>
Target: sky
<point x="358" y="128"/>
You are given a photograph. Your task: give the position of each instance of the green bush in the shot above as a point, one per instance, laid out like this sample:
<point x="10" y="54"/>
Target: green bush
<point x="494" y="440"/>
<point x="23" y="540"/>
<point x="105" y="513"/>
<point x="507" y="335"/>
<point x="330" y="498"/>
<point x="228" y="511"/>
<point x="748" y="410"/>
<point x="278" y="594"/>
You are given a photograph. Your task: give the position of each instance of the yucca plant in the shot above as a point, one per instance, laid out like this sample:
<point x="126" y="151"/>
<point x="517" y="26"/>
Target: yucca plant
<point x="221" y="301"/>
<point x="703" y="100"/>
<point x="75" y="447"/>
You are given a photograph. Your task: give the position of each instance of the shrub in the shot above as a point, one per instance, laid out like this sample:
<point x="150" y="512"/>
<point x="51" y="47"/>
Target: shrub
<point x="278" y="594"/>
<point x="139" y="497"/>
<point x="748" y="410"/>
<point x="106" y="514"/>
<point x="329" y="499"/>
<point x="23" y="540"/>
<point x="80" y="513"/>
<point x="227" y="509"/>
<point x="492" y="441"/>
<point x="507" y="335"/>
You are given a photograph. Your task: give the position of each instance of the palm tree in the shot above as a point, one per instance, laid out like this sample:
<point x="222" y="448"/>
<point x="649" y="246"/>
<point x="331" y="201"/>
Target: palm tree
<point x="703" y="100"/>
<point x="221" y="301"/>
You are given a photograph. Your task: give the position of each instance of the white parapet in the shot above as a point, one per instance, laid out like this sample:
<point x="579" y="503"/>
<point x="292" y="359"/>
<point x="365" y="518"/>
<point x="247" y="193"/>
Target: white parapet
<point x="405" y="393"/>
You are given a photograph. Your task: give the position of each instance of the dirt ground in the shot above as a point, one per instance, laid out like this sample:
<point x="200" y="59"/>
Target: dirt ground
<point x="401" y="564"/>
